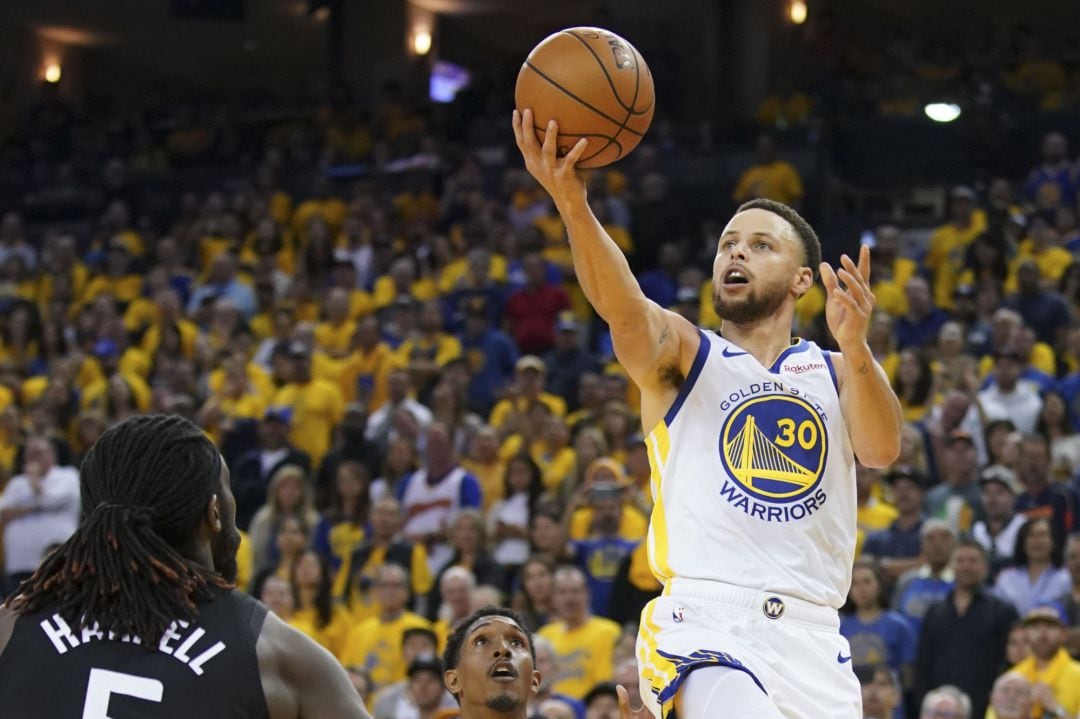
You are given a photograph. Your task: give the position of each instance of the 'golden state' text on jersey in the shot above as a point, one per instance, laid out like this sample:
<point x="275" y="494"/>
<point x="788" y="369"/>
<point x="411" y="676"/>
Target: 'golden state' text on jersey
<point x="753" y="475"/>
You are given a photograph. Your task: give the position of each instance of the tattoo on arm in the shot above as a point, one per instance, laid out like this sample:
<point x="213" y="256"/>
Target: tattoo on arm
<point x="664" y="333"/>
<point x="864" y="368"/>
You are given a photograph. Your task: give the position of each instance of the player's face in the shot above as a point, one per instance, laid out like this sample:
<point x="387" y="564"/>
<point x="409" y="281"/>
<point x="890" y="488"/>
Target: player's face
<point x="758" y="265"/>
<point x="225" y="543"/>
<point x="495" y="669"/>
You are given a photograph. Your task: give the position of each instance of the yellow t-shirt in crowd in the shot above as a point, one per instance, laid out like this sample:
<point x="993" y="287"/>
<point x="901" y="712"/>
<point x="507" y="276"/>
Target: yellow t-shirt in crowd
<point x="945" y="257"/>
<point x="490" y="478"/>
<point x="1062" y="675"/>
<point x="875" y="516"/>
<point x="375" y="645"/>
<point x="777" y="180"/>
<point x="1042" y="358"/>
<point x="583" y="655"/>
<point x="1051" y="263"/>
<point x="333" y="636"/>
<point x="555" y="403"/>
<point x="124" y="289"/>
<point x="385" y="291"/>
<point x="317" y="408"/>
<point x="335" y="338"/>
<point x="632" y="526"/>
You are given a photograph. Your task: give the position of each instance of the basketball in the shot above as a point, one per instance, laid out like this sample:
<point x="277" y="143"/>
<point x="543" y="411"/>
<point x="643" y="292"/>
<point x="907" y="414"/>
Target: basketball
<point x="595" y="85"/>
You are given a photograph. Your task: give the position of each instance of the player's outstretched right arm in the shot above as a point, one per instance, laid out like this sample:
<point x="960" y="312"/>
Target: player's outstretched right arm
<point x="646" y="337"/>
<point x="300" y="679"/>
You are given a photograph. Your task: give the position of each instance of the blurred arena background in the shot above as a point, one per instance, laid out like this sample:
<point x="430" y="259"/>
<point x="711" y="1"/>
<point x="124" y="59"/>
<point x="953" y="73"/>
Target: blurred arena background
<point x="304" y="224"/>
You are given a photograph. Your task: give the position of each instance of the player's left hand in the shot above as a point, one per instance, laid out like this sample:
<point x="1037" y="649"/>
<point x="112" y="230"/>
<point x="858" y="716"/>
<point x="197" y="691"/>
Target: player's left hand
<point x="625" y="712"/>
<point x="848" y="308"/>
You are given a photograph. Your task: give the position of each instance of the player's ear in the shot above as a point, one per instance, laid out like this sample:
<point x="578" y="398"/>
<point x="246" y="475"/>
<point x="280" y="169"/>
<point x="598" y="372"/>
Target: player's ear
<point x="804" y="280"/>
<point x="213" y="513"/>
<point x="452" y="681"/>
<point x="534" y="685"/>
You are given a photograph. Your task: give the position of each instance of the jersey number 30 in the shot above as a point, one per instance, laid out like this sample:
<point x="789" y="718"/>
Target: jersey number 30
<point x="103" y="684"/>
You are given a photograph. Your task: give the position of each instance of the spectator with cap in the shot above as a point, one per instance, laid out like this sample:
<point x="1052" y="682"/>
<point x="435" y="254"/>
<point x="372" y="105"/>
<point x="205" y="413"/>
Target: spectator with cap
<point x="999" y="524"/>
<point x="532" y="310"/>
<point x="1042" y="498"/>
<point x="956" y="499"/>
<point x="253" y="470"/>
<point x="1007" y="397"/>
<point x="881" y="692"/>
<point x="526" y="390"/>
<point x="929" y="582"/>
<point x="317" y="405"/>
<point x="945" y="256"/>
<point x="602" y="551"/>
<point x="1010" y="698"/>
<point x="1054" y="675"/>
<point x="490" y="355"/>
<point x="946" y="702"/>
<point x="568" y="360"/>
<point x="1037" y="575"/>
<point x="897" y="549"/>
<point x="919" y="326"/>
<point x="962" y="640"/>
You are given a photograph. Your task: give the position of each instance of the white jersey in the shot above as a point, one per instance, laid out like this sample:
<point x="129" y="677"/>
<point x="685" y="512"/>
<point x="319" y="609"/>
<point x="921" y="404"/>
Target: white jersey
<point x="753" y="475"/>
<point x="431" y="508"/>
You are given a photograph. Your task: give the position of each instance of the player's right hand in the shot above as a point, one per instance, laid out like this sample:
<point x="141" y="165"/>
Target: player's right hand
<point x="555" y="174"/>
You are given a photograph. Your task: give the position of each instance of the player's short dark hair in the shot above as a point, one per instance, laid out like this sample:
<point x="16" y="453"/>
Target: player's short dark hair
<point x="457" y="637"/>
<point x="810" y="242"/>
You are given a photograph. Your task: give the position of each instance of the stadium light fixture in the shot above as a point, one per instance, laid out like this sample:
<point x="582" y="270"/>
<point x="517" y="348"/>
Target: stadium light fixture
<point x="942" y="111"/>
<point x="797" y="11"/>
<point x="53" y="73"/>
<point x="422" y="42"/>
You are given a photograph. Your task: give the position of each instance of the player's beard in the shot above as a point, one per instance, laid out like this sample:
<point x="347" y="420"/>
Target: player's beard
<point x="223" y="549"/>
<point x="503" y="703"/>
<point x="754" y="307"/>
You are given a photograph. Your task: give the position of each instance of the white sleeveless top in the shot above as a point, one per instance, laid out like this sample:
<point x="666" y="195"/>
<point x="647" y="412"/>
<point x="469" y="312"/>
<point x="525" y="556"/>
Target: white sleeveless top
<point x="431" y="508"/>
<point x="753" y="475"/>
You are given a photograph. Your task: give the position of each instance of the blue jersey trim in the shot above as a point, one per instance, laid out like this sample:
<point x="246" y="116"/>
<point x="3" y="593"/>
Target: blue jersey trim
<point x="800" y="346"/>
<point x="832" y="370"/>
<point x="691" y="379"/>
<point x="697" y="660"/>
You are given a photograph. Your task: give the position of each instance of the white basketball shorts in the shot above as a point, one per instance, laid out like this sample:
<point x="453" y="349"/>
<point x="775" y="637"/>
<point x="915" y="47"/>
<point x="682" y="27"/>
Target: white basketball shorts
<point x="791" y="648"/>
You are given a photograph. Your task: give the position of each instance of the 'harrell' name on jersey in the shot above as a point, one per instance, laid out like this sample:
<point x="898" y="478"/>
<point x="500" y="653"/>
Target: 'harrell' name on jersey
<point x="179" y="643"/>
<point x="754" y="475"/>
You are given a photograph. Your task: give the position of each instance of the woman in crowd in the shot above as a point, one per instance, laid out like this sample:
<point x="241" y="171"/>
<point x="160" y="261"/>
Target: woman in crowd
<point x="508" y="520"/>
<point x="316" y="614"/>
<point x="1037" y="575"/>
<point x="288" y="492"/>
<point x="877" y="635"/>
<point x="292" y="538"/>
<point x="533" y="599"/>
<point x="341" y="529"/>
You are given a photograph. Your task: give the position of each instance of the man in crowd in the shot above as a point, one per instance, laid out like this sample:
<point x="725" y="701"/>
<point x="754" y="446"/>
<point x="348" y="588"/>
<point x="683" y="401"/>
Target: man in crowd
<point x="1011" y="697"/>
<point x="920" y="587"/>
<point x="897" y="548"/>
<point x="997" y="529"/>
<point x="39" y="508"/>
<point x="963" y="637"/>
<point x="1054" y="675"/>
<point x="880" y="691"/>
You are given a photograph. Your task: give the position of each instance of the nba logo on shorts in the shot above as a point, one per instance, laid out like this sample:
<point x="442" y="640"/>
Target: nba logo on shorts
<point x="677" y="615"/>
<point x="773" y="607"/>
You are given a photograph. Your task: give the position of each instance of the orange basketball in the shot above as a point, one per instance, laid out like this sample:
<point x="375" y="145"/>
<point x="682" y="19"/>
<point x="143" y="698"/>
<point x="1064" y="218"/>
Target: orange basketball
<point x="595" y="85"/>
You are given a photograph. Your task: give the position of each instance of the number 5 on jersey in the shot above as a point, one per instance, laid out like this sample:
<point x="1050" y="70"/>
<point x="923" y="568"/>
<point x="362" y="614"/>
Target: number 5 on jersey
<point x="103" y="684"/>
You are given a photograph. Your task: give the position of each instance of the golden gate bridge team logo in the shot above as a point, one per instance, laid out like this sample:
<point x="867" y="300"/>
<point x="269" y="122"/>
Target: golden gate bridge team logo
<point x="774" y="447"/>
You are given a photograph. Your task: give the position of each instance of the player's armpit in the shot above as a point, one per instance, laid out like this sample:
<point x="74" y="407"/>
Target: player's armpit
<point x="302" y="680"/>
<point x="650" y="342"/>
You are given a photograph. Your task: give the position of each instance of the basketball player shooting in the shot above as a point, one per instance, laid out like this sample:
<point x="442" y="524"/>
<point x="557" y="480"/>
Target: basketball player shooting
<point x="135" y="615"/>
<point x="752" y="437"/>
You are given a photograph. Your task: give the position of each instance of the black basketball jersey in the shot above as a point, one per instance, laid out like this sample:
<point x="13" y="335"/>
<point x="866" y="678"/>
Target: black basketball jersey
<point x="205" y="669"/>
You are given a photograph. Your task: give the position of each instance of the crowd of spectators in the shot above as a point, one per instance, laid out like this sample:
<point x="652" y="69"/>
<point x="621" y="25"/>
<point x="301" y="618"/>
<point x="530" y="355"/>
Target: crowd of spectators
<point x="421" y="415"/>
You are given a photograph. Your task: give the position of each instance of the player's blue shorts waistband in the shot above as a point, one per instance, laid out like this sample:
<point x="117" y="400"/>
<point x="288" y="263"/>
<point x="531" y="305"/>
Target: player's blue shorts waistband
<point x="780" y="607"/>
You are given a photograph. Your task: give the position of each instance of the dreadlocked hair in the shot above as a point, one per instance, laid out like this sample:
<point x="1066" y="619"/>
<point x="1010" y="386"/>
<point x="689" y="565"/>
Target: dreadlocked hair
<point x="145" y="486"/>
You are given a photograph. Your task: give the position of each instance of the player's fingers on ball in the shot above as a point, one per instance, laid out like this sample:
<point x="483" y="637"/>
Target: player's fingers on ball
<point x="576" y="151"/>
<point x="515" y="124"/>
<point x="528" y="130"/>
<point x="551" y="138"/>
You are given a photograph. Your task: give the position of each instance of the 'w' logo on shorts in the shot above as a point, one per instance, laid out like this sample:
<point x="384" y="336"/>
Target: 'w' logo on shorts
<point x="773" y="607"/>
